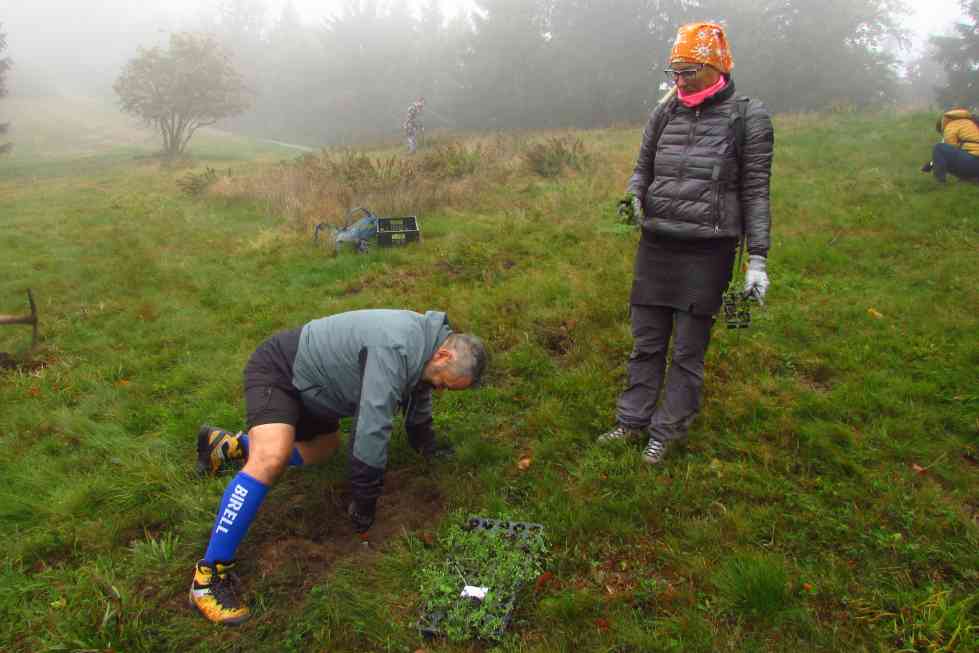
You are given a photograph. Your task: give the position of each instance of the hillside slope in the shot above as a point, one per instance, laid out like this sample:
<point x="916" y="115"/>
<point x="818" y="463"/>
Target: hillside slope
<point x="58" y="134"/>
<point x="826" y="500"/>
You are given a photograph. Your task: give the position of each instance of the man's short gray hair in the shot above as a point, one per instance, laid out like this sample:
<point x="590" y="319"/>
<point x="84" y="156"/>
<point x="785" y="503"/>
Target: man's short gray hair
<point x="471" y="357"/>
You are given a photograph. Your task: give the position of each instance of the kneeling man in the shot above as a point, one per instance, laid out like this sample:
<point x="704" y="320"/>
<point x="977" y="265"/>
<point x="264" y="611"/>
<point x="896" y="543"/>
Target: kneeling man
<point x="298" y="384"/>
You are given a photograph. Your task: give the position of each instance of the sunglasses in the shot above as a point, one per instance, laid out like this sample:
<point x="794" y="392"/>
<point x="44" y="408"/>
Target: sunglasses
<point x="672" y="75"/>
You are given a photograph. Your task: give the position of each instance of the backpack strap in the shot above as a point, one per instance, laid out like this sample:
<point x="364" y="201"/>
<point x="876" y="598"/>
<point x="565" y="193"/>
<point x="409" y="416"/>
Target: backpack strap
<point x="738" y="120"/>
<point x="664" y="119"/>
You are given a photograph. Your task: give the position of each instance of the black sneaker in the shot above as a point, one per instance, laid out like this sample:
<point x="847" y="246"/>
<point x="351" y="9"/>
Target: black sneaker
<point x="216" y="448"/>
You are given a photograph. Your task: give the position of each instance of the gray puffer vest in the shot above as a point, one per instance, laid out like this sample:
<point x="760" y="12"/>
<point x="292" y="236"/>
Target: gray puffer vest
<point x="692" y="182"/>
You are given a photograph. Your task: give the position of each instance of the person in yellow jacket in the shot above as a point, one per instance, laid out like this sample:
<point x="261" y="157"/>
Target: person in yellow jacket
<point x="958" y="152"/>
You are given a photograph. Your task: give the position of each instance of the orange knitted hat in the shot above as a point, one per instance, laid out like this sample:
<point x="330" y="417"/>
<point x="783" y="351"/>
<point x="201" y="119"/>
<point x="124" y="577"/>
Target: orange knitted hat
<point x="703" y="43"/>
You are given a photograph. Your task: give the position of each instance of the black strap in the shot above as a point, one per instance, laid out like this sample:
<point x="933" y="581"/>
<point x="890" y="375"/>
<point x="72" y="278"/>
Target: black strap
<point x="664" y="119"/>
<point x="668" y="111"/>
<point x="738" y="124"/>
<point x="738" y="121"/>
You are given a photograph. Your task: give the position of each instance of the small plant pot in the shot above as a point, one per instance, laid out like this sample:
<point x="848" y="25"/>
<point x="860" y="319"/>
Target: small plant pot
<point x="518" y="535"/>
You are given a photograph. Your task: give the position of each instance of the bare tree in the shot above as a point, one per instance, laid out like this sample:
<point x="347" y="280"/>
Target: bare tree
<point x="178" y="90"/>
<point x="5" y="64"/>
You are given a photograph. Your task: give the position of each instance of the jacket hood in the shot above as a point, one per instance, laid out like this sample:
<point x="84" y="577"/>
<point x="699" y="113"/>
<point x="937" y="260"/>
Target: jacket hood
<point x="953" y="115"/>
<point x="957" y="114"/>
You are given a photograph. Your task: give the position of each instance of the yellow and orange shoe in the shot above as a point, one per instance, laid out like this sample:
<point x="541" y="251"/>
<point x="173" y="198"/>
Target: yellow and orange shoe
<point x="217" y="447"/>
<point x="216" y="593"/>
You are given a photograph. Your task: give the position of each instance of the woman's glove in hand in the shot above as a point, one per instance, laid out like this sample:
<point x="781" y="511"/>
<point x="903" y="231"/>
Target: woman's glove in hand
<point x="756" y="280"/>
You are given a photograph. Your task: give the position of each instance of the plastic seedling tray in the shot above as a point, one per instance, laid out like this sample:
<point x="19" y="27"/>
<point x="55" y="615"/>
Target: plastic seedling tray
<point x="398" y="231"/>
<point x="433" y="623"/>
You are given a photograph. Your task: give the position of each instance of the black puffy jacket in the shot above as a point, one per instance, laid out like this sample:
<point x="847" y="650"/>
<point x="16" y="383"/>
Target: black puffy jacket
<point x="693" y="185"/>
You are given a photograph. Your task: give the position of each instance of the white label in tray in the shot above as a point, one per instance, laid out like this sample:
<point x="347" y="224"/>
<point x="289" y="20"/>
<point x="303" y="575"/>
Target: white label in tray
<point x="473" y="592"/>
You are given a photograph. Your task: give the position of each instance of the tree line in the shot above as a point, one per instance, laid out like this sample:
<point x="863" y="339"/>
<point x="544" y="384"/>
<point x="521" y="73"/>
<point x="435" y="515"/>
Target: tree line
<point x="528" y="63"/>
<point x="541" y="63"/>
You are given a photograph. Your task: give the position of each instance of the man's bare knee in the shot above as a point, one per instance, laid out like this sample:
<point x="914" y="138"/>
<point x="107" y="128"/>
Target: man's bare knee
<point x="270" y="447"/>
<point x="266" y="466"/>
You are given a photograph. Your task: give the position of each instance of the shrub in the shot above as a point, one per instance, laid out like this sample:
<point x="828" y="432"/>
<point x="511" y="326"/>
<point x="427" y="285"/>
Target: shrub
<point x="553" y="156"/>
<point x="452" y="160"/>
<point x="195" y="184"/>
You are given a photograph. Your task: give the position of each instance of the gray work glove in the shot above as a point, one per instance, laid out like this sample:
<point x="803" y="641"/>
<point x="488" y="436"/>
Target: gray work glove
<point x="630" y="210"/>
<point x="756" y="279"/>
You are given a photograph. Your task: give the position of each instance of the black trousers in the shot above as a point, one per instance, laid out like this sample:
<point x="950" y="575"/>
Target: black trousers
<point x="640" y="406"/>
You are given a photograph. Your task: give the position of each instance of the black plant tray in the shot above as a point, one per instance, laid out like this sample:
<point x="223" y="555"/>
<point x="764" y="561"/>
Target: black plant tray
<point x="430" y="624"/>
<point x="393" y="232"/>
<point x="514" y="529"/>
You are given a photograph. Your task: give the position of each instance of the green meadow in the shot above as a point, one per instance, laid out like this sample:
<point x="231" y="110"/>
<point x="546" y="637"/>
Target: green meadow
<point x="826" y="500"/>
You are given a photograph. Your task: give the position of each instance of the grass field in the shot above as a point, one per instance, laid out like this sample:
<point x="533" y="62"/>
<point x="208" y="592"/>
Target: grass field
<point x="65" y="136"/>
<point x="827" y="499"/>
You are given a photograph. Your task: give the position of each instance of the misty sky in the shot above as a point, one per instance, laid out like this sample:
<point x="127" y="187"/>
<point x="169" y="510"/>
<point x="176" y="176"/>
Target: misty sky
<point x="81" y="37"/>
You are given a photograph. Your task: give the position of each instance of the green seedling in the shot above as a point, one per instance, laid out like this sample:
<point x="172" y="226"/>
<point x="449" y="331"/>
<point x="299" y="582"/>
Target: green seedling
<point x="471" y="594"/>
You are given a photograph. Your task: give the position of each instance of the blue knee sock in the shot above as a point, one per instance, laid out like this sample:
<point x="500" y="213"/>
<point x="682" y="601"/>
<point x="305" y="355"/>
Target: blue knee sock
<point x="238" y="508"/>
<point x="295" y="460"/>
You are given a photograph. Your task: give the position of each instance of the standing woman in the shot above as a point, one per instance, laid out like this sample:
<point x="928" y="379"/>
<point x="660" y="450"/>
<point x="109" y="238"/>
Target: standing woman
<point x="701" y="184"/>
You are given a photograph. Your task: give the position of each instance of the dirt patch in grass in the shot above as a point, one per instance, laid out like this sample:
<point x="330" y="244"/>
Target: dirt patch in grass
<point x="307" y="533"/>
<point x="11" y="362"/>
<point x="558" y="339"/>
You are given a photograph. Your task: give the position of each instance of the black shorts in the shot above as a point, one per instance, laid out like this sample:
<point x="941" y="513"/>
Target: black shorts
<point x="270" y="397"/>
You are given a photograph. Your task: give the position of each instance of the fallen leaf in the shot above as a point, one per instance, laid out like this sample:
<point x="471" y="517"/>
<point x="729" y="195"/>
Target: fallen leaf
<point x="427" y="538"/>
<point x="603" y="624"/>
<point x="874" y="313"/>
<point x="34" y="391"/>
<point x="918" y="469"/>
<point x="717" y="467"/>
<point x="524" y="463"/>
<point x="542" y="581"/>
<point x="122" y="383"/>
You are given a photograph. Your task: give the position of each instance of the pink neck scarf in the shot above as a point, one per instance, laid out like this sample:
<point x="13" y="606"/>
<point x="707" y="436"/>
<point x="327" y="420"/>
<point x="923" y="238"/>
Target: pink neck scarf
<point x="691" y="100"/>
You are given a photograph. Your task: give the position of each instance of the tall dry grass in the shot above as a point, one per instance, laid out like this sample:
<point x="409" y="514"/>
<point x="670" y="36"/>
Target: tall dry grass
<point x="321" y="188"/>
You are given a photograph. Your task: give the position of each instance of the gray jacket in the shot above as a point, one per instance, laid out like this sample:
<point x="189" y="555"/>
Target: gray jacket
<point x="692" y="183"/>
<point x="369" y="364"/>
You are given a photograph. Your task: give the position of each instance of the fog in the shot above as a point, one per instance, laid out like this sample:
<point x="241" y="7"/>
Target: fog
<point x="336" y="71"/>
<point x="70" y="46"/>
